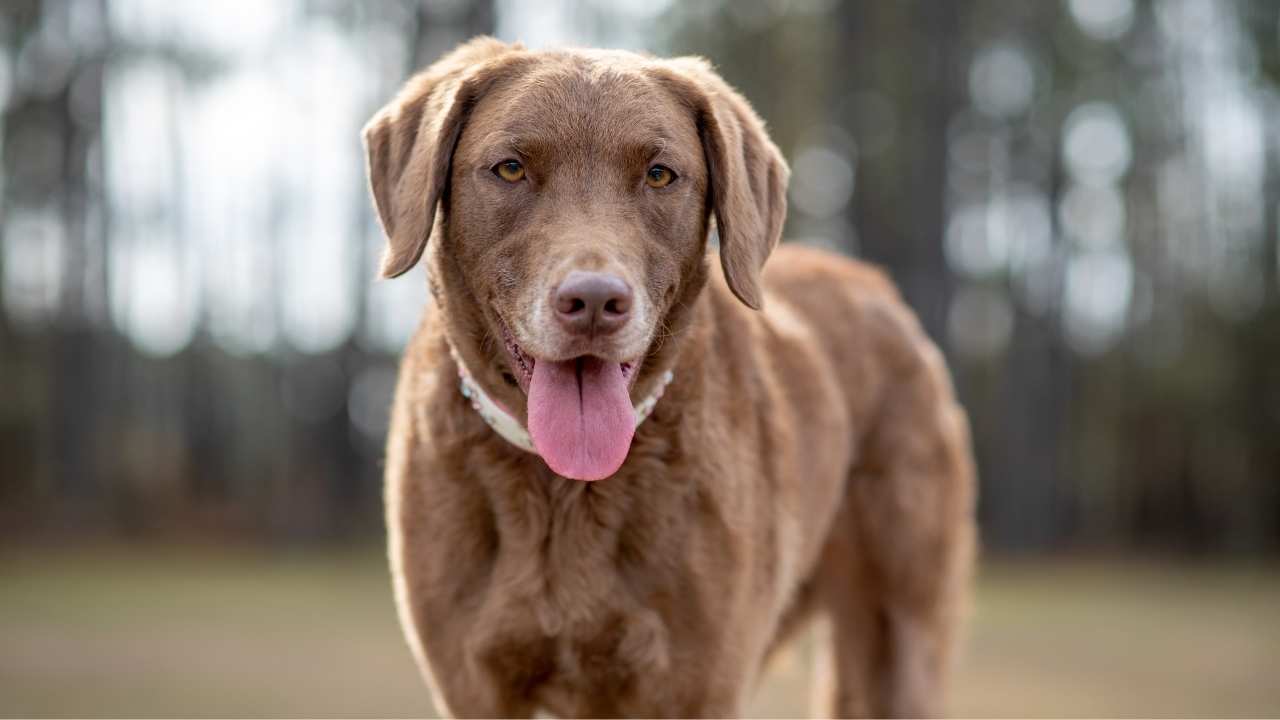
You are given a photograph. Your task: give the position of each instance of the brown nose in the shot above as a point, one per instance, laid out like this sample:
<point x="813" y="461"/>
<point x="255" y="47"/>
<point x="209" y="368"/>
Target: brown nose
<point x="591" y="303"/>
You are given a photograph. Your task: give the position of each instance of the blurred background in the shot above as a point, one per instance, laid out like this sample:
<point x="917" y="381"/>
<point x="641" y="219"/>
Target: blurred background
<point x="1081" y="199"/>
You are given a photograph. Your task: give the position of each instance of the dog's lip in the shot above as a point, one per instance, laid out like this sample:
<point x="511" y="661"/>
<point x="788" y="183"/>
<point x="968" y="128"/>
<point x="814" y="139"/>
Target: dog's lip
<point x="523" y="361"/>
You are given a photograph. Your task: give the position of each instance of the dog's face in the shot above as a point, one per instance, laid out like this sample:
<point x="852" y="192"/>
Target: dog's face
<point x="576" y="190"/>
<point x="579" y="196"/>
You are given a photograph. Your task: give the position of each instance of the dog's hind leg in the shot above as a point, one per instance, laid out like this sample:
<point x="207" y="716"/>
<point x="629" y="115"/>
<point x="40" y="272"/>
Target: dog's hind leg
<point x="912" y="504"/>
<point x="895" y="569"/>
<point x="851" y="657"/>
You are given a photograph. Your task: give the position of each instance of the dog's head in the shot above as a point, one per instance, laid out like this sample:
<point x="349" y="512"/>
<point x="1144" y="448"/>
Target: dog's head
<point x="570" y="194"/>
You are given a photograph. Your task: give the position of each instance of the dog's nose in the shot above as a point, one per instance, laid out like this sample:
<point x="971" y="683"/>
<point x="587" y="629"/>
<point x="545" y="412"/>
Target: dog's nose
<point x="589" y="303"/>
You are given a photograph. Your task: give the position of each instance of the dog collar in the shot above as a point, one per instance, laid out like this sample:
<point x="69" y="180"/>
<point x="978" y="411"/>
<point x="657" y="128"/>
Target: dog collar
<point x="512" y="430"/>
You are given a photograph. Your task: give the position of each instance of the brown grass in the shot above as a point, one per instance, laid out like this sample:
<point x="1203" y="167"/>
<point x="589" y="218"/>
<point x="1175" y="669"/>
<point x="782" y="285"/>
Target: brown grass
<point x="136" y="632"/>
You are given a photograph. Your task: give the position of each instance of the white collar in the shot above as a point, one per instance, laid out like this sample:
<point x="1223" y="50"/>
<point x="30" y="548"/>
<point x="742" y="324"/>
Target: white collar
<point x="511" y="429"/>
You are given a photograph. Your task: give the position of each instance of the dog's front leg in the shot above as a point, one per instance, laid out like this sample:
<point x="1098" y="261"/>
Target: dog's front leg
<point x="470" y="673"/>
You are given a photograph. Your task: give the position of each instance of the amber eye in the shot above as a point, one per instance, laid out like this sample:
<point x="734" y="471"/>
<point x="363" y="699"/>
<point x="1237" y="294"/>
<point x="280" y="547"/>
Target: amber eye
<point x="659" y="176"/>
<point x="509" y="170"/>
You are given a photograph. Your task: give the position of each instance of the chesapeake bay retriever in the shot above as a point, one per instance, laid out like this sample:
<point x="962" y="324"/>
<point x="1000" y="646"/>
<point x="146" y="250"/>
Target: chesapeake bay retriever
<point x="807" y="456"/>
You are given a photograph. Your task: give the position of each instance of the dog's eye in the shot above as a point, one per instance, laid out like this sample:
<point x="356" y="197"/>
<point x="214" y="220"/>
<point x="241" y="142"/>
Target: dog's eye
<point x="509" y="170"/>
<point x="659" y="176"/>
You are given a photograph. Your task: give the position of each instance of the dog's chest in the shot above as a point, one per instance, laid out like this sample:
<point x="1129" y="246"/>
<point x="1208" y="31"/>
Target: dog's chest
<point x="571" y="627"/>
<point x="578" y="655"/>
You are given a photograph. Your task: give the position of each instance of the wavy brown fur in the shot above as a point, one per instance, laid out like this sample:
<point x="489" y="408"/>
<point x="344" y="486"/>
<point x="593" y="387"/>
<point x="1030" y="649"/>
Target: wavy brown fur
<point x="808" y="458"/>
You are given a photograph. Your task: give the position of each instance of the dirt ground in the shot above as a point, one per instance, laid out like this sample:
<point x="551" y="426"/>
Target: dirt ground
<point x="140" y="632"/>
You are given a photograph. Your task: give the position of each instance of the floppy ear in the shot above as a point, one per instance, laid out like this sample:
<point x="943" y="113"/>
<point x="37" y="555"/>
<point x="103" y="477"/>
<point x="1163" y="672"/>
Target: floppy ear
<point x="410" y="142"/>
<point x="748" y="175"/>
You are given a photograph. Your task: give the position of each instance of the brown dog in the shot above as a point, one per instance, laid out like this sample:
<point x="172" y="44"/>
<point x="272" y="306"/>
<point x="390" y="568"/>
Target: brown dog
<point x="808" y="454"/>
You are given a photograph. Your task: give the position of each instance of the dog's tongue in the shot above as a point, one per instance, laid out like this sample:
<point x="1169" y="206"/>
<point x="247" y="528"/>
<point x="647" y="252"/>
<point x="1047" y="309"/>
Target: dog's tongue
<point x="580" y="416"/>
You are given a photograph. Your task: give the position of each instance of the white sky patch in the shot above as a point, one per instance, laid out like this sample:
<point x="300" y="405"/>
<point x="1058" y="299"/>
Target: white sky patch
<point x="226" y="27"/>
<point x="623" y="24"/>
<point x="1093" y="216"/>
<point x="544" y="24"/>
<point x="968" y="246"/>
<point x="154" y="289"/>
<point x="1235" y="150"/>
<point x="32" y="257"/>
<point x="1213" y="194"/>
<point x="248" y="186"/>
<point x="1096" y="143"/>
<point x="1099" y="288"/>
<point x="139" y="126"/>
<point x="1011" y="230"/>
<point x="230" y="201"/>
<point x="156" y="303"/>
<point x="1001" y="81"/>
<point x="395" y="308"/>
<point x="1103" y="19"/>
<point x="822" y="181"/>
<point x="1029" y="225"/>
<point x="322" y="177"/>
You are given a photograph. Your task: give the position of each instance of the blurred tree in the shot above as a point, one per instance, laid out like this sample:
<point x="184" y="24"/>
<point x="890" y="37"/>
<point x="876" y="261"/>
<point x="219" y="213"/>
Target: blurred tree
<point x="1079" y="198"/>
<point x="1110" y="401"/>
<point x="95" y="435"/>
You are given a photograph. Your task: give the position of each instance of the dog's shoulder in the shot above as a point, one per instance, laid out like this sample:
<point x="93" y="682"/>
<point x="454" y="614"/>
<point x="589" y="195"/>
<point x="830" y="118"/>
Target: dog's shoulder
<point x="843" y="296"/>
<point x="806" y="266"/>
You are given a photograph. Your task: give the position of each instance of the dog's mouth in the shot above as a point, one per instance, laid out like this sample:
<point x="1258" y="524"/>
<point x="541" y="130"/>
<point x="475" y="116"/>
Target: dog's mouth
<point x="580" y="414"/>
<point x="522" y="362"/>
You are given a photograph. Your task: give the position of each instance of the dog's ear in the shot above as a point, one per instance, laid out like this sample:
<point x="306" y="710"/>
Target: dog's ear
<point x="410" y="142"/>
<point x="748" y="175"/>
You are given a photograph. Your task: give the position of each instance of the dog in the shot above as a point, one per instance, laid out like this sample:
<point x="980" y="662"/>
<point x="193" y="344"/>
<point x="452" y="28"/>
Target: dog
<point x="619" y="474"/>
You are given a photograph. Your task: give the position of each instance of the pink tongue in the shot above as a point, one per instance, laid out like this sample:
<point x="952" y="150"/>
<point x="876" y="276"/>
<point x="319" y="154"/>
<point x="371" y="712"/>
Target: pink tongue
<point x="580" y="417"/>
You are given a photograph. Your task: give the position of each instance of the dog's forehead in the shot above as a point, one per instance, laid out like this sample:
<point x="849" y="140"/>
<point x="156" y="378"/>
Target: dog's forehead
<point x="566" y="96"/>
